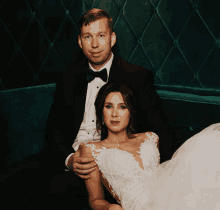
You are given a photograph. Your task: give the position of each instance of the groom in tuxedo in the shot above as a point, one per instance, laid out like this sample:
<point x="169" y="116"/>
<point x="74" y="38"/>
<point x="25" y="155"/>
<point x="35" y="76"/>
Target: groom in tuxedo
<point x="72" y="115"/>
<point x="72" y="119"/>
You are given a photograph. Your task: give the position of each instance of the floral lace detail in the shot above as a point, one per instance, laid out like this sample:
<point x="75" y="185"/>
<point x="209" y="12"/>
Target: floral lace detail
<point x="125" y="176"/>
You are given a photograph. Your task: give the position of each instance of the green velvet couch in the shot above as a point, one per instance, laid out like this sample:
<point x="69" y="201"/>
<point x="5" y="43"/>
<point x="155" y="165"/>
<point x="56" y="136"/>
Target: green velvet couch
<point x="24" y="112"/>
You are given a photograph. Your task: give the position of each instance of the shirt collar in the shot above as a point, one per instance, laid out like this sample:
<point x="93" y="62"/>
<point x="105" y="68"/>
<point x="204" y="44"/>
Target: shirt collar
<point x="107" y="65"/>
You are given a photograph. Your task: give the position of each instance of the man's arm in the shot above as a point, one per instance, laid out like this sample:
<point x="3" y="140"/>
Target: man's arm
<point x="54" y="139"/>
<point x="152" y="116"/>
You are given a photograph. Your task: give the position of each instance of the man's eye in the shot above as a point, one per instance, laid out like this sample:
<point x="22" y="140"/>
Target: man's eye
<point x="86" y="36"/>
<point x="102" y="35"/>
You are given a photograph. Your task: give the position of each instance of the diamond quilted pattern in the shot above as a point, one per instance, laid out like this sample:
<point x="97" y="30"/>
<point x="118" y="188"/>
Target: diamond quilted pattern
<point x="138" y="14"/>
<point x="174" y="14"/>
<point x="16" y="21"/>
<point x="178" y="40"/>
<point x="157" y="42"/>
<point x="139" y="58"/>
<point x="33" y="38"/>
<point x="195" y="41"/>
<point x="176" y="67"/>
<point x="210" y="15"/>
<point x="123" y="47"/>
<point x="51" y="15"/>
<point x="155" y="2"/>
<point x="210" y="79"/>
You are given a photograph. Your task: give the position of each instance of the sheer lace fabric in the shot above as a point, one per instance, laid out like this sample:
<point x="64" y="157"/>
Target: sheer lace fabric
<point x="190" y="180"/>
<point x="124" y="174"/>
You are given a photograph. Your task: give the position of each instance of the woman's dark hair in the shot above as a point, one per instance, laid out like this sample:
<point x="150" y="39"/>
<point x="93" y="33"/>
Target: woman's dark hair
<point x="130" y="102"/>
<point x="93" y="15"/>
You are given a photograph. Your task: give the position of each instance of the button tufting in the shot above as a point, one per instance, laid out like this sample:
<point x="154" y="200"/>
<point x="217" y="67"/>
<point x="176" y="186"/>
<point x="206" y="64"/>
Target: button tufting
<point x="175" y="42"/>
<point x="196" y="76"/>
<point x="36" y="77"/>
<point x="195" y="6"/>
<point x="17" y="47"/>
<point x="153" y="39"/>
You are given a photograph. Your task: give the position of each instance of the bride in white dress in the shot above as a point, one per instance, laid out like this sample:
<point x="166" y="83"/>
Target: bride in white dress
<point x="128" y="164"/>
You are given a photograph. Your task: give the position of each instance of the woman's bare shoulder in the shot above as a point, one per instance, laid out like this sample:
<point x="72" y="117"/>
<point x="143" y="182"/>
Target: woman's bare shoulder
<point x="139" y="135"/>
<point x="144" y="134"/>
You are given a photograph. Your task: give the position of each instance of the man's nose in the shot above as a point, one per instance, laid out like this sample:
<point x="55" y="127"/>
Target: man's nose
<point x="95" y="43"/>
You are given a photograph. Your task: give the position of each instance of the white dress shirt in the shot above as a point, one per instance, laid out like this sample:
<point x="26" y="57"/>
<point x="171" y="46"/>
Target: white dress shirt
<point x="87" y="131"/>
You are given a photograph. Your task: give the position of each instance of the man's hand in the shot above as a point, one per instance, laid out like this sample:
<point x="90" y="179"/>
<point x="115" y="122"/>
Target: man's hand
<point x="115" y="207"/>
<point x="82" y="166"/>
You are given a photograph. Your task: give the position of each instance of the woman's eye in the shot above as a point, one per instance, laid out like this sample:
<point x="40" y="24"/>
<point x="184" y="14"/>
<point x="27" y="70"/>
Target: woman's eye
<point x="101" y="35"/>
<point x="86" y="36"/>
<point x="108" y="106"/>
<point x="123" y="107"/>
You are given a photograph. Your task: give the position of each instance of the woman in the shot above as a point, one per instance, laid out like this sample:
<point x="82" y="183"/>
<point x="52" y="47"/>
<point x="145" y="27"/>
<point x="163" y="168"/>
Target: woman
<point x="128" y="163"/>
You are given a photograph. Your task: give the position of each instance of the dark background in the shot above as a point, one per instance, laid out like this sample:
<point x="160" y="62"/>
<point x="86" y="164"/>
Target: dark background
<point x="178" y="40"/>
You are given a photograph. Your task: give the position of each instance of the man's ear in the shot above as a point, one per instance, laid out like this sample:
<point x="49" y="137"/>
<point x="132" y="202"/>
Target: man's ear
<point x="113" y="39"/>
<point x="79" y="41"/>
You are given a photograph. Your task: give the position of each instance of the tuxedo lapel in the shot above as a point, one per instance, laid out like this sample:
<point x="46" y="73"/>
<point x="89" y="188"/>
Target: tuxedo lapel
<point x="116" y="73"/>
<point x="80" y="90"/>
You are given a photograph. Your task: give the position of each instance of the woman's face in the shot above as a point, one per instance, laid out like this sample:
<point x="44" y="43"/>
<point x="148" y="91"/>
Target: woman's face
<point x="115" y="110"/>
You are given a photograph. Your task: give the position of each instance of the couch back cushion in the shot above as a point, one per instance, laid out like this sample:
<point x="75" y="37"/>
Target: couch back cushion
<point x="24" y="111"/>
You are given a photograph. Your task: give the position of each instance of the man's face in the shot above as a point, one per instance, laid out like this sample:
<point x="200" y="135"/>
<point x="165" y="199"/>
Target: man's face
<point x="96" y="42"/>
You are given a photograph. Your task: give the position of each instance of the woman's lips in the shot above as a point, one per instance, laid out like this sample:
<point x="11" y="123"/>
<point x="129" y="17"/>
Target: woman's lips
<point x="115" y="122"/>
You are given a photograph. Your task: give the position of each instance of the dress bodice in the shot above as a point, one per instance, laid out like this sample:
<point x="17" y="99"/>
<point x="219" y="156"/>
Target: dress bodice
<point x="125" y="174"/>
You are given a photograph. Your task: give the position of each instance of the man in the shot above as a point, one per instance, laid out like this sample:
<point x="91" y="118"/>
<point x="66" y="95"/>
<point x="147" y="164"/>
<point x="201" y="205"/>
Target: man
<point x="96" y="40"/>
<point x="72" y="120"/>
<point x="75" y="94"/>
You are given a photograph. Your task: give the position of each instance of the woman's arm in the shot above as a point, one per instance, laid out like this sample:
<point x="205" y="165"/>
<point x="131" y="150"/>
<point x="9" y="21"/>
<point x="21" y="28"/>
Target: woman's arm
<point x="94" y="185"/>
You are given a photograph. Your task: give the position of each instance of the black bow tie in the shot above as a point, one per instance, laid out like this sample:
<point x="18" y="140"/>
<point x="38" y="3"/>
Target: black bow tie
<point x="92" y="74"/>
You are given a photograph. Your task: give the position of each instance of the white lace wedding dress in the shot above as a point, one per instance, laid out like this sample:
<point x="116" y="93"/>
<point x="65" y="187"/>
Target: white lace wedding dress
<point x="190" y="180"/>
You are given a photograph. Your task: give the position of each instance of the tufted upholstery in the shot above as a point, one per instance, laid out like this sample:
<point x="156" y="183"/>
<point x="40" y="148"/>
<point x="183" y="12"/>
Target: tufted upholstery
<point x="24" y="112"/>
<point x="177" y="40"/>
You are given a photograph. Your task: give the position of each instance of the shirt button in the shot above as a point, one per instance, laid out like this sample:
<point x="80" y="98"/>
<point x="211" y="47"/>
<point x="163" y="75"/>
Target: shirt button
<point x="97" y="87"/>
<point x="92" y="120"/>
<point x="88" y="133"/>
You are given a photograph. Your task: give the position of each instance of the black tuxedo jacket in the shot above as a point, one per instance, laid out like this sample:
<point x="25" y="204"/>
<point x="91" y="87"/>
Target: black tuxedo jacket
<point x="67" y="110"/>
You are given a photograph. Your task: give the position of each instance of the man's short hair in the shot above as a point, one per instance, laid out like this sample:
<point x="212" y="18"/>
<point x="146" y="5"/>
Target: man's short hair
<point x="91" y="16"/>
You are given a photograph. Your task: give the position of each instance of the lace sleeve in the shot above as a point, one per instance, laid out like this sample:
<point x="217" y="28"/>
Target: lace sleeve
<point x="149" y="152"/>
<point x="152" y="136"/>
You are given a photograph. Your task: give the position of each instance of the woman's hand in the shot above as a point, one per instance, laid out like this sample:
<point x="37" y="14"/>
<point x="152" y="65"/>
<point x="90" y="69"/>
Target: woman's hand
<point x="115" y="207"/>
